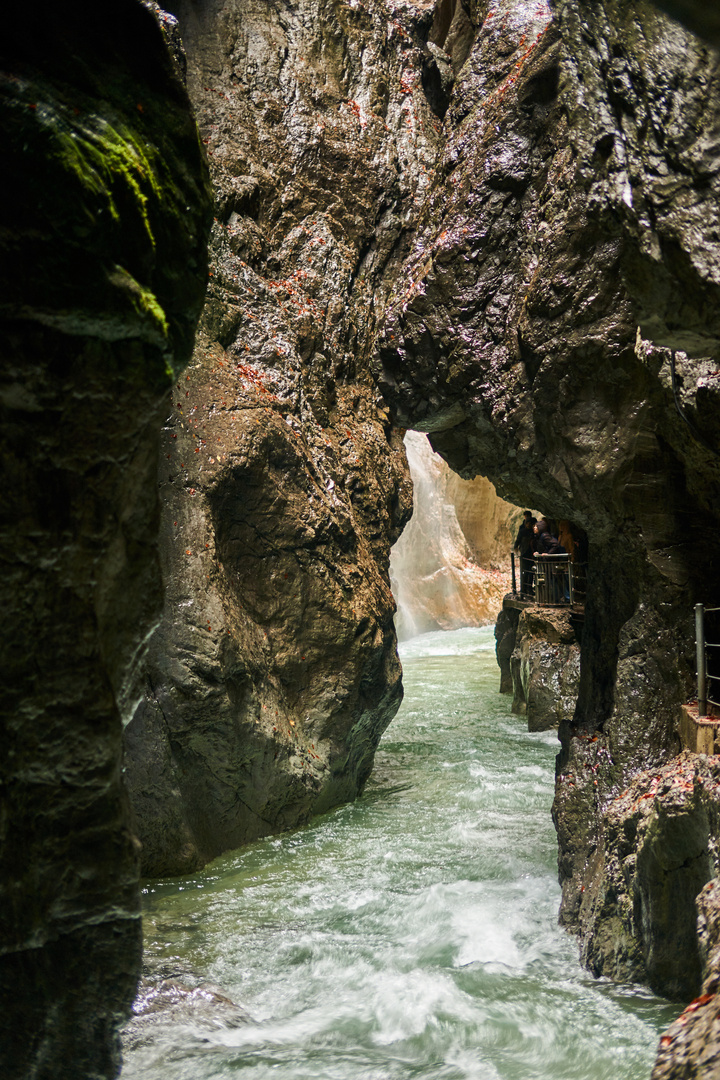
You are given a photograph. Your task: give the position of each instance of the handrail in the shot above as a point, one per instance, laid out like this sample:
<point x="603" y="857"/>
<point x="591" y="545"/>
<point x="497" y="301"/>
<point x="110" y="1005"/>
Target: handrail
<point x="704" y="678"/>
<point x="549" y="580"/>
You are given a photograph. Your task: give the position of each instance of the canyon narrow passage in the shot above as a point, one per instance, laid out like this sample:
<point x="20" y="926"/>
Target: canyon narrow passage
<point x="412" y="933"/>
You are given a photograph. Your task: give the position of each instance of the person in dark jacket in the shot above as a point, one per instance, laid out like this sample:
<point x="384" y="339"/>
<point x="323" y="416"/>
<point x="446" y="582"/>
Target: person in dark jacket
<point x="524" y="544"/>
<point x="547" y="544"/>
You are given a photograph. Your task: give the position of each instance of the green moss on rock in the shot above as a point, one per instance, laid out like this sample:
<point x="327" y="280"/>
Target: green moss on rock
<point x="107" y="236"/>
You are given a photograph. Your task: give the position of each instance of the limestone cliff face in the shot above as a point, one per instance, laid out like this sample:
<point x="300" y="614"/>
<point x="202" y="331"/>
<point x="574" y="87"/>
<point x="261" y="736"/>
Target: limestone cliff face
<point x="658" y="849"/>
<point x="523" y="201"/>
<point x="505" y="217"/>
<point x="104" y="213"/>
<point x="557" y="331"/>
<point x="690" y="1048"/>
<point x="283" y="482"/>
<point x="450" y="567"/>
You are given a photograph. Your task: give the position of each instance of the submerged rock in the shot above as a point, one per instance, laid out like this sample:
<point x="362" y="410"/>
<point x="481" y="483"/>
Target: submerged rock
<point x="104" y="212"/>
<point x="162" y="1005"/>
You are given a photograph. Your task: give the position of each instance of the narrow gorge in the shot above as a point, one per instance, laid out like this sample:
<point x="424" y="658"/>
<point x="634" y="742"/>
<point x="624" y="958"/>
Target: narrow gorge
<point x="255" y="255"/>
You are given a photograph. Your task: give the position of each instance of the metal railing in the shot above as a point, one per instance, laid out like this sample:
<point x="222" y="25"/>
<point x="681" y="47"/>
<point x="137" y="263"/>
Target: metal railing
<point x="549" y="580"/>
<point x="701" y="646"/>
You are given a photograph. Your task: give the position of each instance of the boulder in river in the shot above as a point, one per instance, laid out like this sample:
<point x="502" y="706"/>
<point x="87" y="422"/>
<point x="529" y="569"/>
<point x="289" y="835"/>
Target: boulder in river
<point x="545" y="667"/>
<point x="538" y="654"/>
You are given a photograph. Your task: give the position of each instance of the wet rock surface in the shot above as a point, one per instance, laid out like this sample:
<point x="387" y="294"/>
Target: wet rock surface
<point x="545" y="668"/>
<point x="696" y="16"/>
<point x="523" y="200"/>
<point x="658" y="848"/>
<point x="283" y="482"/>
<point x="690" y="1048"/>
<point x="163" y="1003"/>
<point x="506" y="625"/>
<point x="556" y="330"/>
<point x="104" y="212"/>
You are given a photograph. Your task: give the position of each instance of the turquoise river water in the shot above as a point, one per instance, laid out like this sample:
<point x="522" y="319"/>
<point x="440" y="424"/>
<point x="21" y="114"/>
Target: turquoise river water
<point x="412" y="934"/>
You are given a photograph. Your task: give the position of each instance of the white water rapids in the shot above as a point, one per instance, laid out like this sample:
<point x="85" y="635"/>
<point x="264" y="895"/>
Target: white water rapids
<point x="412" y="934"/>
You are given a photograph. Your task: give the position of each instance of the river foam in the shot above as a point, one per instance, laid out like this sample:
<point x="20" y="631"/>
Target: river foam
<point x="412" y="934"/>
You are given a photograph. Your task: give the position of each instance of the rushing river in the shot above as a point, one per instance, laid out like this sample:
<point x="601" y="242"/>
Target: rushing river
<point x="411" y="934"/>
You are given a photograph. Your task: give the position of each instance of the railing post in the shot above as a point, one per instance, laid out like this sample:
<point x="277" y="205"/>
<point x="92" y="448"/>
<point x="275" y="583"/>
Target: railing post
<point x="700" y="653"/>
<point x="536" y="582"/>
<point x="512" y="564"/>
<point x="570" y="581"/>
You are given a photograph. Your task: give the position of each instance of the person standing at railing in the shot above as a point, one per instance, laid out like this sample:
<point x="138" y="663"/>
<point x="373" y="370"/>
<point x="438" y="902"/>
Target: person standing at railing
<point x="524" y="544"/>
<point x="547" y="544"/>
<point x="566" y="538"/>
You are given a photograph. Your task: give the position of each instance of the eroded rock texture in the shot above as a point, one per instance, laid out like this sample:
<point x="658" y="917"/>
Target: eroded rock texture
<point x="658" y="849"/>
<point x="699" y="17"/>
<point x="275" y="671"/>
<point x="538" y="653"/>
<point x="557" y="331"/>
<point x="690" y="1048"/>
<point x="545" y="667"/>
<point x="104" y="211"/>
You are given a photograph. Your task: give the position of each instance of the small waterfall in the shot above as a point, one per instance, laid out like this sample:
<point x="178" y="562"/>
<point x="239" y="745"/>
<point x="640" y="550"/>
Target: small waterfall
<point x="450" y="567"/>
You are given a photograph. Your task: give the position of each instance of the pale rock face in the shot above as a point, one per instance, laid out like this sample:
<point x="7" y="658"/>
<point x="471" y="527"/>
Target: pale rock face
<point x="450" y="566"/>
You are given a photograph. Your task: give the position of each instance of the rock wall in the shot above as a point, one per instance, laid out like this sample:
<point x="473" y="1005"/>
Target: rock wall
<point x="104" y="213"/>
<point x="658" y="849"/>
<point x="283" y="481"/>
<point x="524" y="200"/>
<point x="697" y="16"/>
<point x="505" y="218"/>
<point x="450" y="566"/>
<point x="556" y="330"/>
<point x="538" y="653"/>
<point x="690" y="1048"/>
<point x="545" y="668"/>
